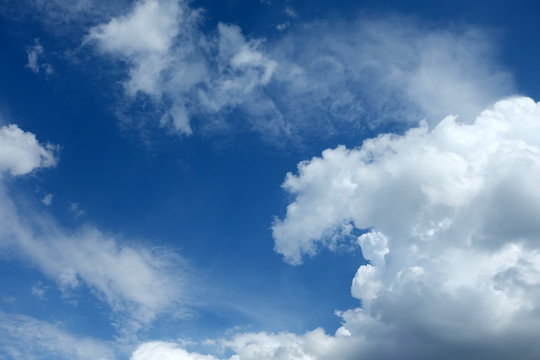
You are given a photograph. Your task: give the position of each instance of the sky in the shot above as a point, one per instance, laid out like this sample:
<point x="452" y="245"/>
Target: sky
<point x="269" y="180"/>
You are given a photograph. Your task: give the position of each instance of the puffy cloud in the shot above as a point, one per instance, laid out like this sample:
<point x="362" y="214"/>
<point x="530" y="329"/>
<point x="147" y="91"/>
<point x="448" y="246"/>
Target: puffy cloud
<point x="85" y="256"/>
<point x="144" y="37"/>
<point x="317" y="79"/>
<point x="451" y="217"/>
<point x="20" y="152"/>
<point x="25" y="338"/>
<point x="178" y="66"/>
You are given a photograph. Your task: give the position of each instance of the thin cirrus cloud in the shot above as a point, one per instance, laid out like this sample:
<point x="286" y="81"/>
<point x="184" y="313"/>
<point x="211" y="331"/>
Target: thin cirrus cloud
<point x="451" y="218"/>
<point x="85" y="256"/>
<point x="318" y="78"/>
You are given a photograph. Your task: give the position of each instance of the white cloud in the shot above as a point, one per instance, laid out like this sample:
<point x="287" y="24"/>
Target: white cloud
<point x="165" y="351"/>
<point x="86" y="256"/>
<point x="184" y="71"/>
<point x="453" y="216"/>
<point x="342" y="76"/>
<point x="453" y="245"/>
<point x="38" y="291"/>
<point x="26" y="338"/>
<point x="289" y="11"/>
<point x="34" y="53"/>
<point x="20" y="152"/>
<point x="47" y="200"/>
<point x="144" y="37"/>
<point x="63" y="17"/>
<point x="313" y="345"/>
<point x="321" y="78"/>
<point x="75" y="209"/>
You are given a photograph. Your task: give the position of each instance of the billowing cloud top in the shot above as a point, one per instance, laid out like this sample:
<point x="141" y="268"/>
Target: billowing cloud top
<point x="451" y="234"/>
<point x="451" y="218"/>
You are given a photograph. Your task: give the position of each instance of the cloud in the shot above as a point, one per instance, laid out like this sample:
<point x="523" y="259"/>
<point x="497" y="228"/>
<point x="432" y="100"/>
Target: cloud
<point x="86" y="256"/>
<point x="186" y="72"/>
<point x="65" y="18"/>
<point x="144" y="37"/>
<point x="321" y="78"/>
<point x="47" y="200"/>
<point x="38" y="291"/>
<point x="165" y="351"/>
<point x="25" y="338"/>
<point x="450" y="218"/>
<point x="34" y="53"/>
<point x="20" y="152"/>
<point x="75" y="209"/>
<point x="347" y="76"/>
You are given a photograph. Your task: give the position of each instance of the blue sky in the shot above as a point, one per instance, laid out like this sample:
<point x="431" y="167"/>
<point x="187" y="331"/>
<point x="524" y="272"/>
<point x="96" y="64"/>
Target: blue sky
<point x="269" y="180"/>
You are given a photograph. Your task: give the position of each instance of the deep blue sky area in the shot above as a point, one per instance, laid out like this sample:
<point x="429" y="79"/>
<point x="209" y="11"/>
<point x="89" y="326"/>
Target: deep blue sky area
<point x="210" y="196"/>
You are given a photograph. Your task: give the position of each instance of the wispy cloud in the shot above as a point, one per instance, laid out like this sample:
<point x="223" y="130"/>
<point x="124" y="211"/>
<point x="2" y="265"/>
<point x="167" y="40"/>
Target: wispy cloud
<point x="26" y="338"/>
<point x="138" y="281"/>
<point x="316" y="80"/>
<point x="34" y="53"/>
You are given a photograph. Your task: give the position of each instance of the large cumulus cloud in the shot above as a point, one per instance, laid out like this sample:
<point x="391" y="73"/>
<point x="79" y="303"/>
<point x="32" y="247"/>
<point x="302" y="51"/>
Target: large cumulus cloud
<point x="450" y="219"/>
